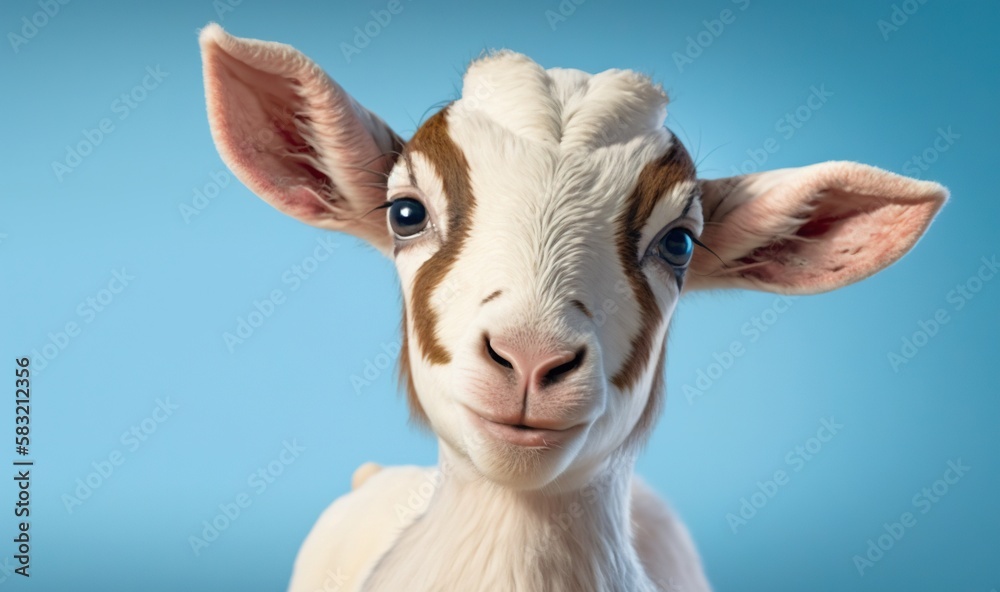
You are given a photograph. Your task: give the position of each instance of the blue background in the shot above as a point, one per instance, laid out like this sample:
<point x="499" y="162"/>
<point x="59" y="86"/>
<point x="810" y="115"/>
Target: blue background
<point x="826" y="356"/>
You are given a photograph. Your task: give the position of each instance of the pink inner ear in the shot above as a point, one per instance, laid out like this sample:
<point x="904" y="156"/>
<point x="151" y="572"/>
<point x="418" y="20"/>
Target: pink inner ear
<point x="264" y="117"/>
<point x="823" y="227"/>
<point x="294" y="137"/>
<point x="845" y="239"/>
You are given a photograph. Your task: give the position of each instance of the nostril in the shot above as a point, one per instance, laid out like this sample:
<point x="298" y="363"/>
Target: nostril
<point x="535" y="369"/>
<point x="497" y="357"/>
<point x="555" y="373"/>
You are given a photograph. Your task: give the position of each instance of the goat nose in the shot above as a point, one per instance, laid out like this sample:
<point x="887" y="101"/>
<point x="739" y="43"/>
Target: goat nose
<point x="538" y="368"/>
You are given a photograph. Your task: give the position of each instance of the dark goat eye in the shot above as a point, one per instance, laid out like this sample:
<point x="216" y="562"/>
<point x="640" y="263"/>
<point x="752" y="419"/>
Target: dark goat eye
<point x="676" y="247"/>
<point x="407" y="217"/>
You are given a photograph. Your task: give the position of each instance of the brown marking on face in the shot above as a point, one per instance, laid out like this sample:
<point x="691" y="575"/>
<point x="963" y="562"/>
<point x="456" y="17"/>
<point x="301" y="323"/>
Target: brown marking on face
<point x="655" y="180"/>
<point x="434" y="143"/>
<point x="582" y="308"/>
<point x="492" y="296"/>
<point x="654" y="404"/>
<point x="417" y="413"/>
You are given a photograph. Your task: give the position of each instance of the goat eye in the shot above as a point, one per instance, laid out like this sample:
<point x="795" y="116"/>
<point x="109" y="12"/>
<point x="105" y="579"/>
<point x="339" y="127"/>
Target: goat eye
<point x="676" y="247"/>
<point x="407" y="217"/>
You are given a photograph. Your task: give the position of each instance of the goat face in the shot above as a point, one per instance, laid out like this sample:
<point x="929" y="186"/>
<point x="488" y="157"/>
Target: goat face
<point x="542" y="229"/>
<point x="543" y="226"/>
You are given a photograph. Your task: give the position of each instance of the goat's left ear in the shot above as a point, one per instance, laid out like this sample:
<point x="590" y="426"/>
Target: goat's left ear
<point x="295" y="137"/>
<point x="810" y="229"/>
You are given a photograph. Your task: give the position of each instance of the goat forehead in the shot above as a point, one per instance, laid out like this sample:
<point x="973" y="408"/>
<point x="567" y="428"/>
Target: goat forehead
<point x="536" y="203"/>
<point x="552" y="149"/>
<point x="560" y="106"/>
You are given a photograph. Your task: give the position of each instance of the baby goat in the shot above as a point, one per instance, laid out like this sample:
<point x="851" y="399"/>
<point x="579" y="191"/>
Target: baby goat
<point x="543" y="226"/>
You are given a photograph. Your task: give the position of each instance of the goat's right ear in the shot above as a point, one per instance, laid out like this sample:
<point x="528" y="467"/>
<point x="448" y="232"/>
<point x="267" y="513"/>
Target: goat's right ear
<point x="809" y="229"/>
<point x="294" y="137"/>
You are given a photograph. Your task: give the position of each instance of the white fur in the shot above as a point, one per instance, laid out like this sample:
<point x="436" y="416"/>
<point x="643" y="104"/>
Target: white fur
<point x="395" y="499"/>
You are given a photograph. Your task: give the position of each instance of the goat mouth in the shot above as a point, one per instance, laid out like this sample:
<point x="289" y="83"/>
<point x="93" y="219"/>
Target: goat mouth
<point x="524" y="434"/>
